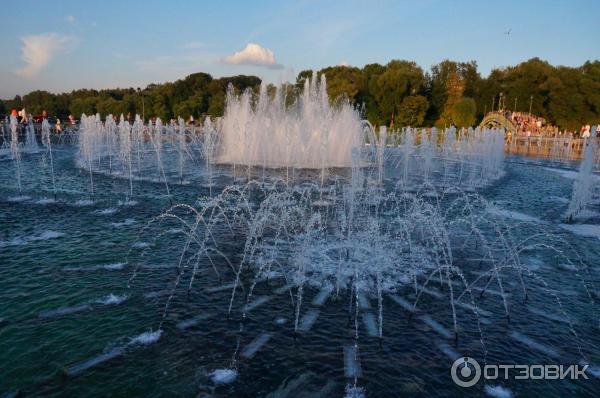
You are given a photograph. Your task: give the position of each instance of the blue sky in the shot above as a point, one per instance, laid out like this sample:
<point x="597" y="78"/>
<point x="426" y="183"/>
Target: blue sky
<point x="62" y="45"/>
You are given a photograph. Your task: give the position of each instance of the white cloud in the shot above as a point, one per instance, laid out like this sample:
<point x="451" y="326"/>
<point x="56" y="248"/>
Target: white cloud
<point x="255" y="55"/>
<point x="70" y="18"/>
<point x="38" y="50"/>
<point x="193" y="45"/>
<point x="343" y="63"/>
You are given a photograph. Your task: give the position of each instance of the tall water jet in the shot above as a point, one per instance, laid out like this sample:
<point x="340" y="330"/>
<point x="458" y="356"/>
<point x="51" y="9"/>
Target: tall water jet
<point x="14" y="149"/>
<point x="87" y="147"/>
<point x="30" y="142"/>
<point x="583" y="187"/>
<point x="125" y="149"/>
<point x="210" y="138"/>
<point x="380" y="152"/>
<point x="181" y="146"/>
<point x="320" y="134"/>
<point x="156" y="139"/>
<point x="48" y="144"/>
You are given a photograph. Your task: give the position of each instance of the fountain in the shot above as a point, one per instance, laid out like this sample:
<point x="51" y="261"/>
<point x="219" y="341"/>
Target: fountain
<point x="586" y="182"/>
<point x="48" y="144"/>
<point x="310" y="133"/>
<point x="344" y="246"/>
<point x="15" y="151"/>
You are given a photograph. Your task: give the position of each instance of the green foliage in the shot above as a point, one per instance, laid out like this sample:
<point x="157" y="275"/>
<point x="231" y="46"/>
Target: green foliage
<point x="82" y="105"/>
<point x="412" y="111"/>
<point x="450" y="93"/>
<point x="343" y="81"/>
<point x="463" y="112"/>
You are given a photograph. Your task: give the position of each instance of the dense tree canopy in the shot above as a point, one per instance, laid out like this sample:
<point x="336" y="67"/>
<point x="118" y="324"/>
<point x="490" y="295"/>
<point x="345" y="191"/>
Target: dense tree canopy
<point x="399" y="92"/>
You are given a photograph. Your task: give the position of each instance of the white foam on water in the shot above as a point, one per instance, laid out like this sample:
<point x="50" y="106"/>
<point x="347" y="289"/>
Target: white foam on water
<point x="322" y="296"/>
<point x="280" y="321"/>
<point x="127" y="202"/>
<point x="84" y="202"/>
<point x="142" y="245"/>
<point x="353" y="391"/>
<point x="47" y="235"/>
<point x="13" y="242"/>
<point x="308" y="320"/>
<point x="534" y="345"/>
<point x="352" y="367"/>
<point x="146" y="338"/>
<point x="570" y="174"/>
<point x="449" y="351"/>
<point x="106" y="212"/>
<point x="114" y="266"/>
<point x="430" y="291"/>
<point x="220" y="288"/>
<point x="497" y="391"/>
<point x="251" y="349"/>
<point x="110" y="267"/>
<point x="188" y="323"/>
<point x="284" y="289"/>
<point x="174" y="231"/>
<point x="256" y="303"/>
<point x="124" y="223"/>
<point x="436" y="326"/>
<point x="548" y="315"/>
<point x="45" y="201"/>
<point x="223" y="376"/>
<point x="159" y="293"/>
<point x="112" y="299"/>
<point x="513" y="215"/>
<point x="402" y="302"/>
<point x="17" y="199"/>
<point x="23" y="240"/>
<point x="470" y="307"/>
<point x="587" y="230"/>
<point x="89" y="363"/>
<point x="64" y="311"/>
<point x="370" y="324"/>
<point x="532" y="263"/>
<point x="558" y="199"/>
<point x="363" y="302"/>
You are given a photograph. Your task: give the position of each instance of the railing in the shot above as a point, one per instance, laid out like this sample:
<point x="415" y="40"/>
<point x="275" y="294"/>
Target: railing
<point x="548" y="147"/>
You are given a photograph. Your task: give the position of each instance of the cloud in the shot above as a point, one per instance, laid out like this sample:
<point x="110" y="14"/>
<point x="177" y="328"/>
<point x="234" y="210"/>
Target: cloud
<point x="70" y="18"/>
<point x="343" y="63"/>
<point x="254" y="55"/>
<point x="38" y="50"/>
<point x="193" y="45"/>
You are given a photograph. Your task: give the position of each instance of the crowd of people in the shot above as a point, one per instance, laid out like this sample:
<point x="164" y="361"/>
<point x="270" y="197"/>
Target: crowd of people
<point x="24" y="118"/>
<point x="529" y="125"/>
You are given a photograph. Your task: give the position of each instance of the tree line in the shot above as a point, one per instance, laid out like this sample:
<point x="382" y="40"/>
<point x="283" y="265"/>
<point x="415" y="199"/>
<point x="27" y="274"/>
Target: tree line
<point x="399" y="93"/>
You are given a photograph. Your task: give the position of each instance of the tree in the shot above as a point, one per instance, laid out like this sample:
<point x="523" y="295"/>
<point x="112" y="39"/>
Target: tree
<point x="343" y="81"/>
<point x="400" y="79"/>
<point x="82" y="105"/>
<point x="454" y="89"/>
<point x="111" y="106"/>
<point x="216" y="106"/>
<point x="463" y="112"/>
<point x="437" y="85"/>
<point x="412" y="111"/>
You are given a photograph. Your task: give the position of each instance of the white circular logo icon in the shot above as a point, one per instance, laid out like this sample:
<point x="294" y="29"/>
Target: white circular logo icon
<point x="465" y="372"/>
